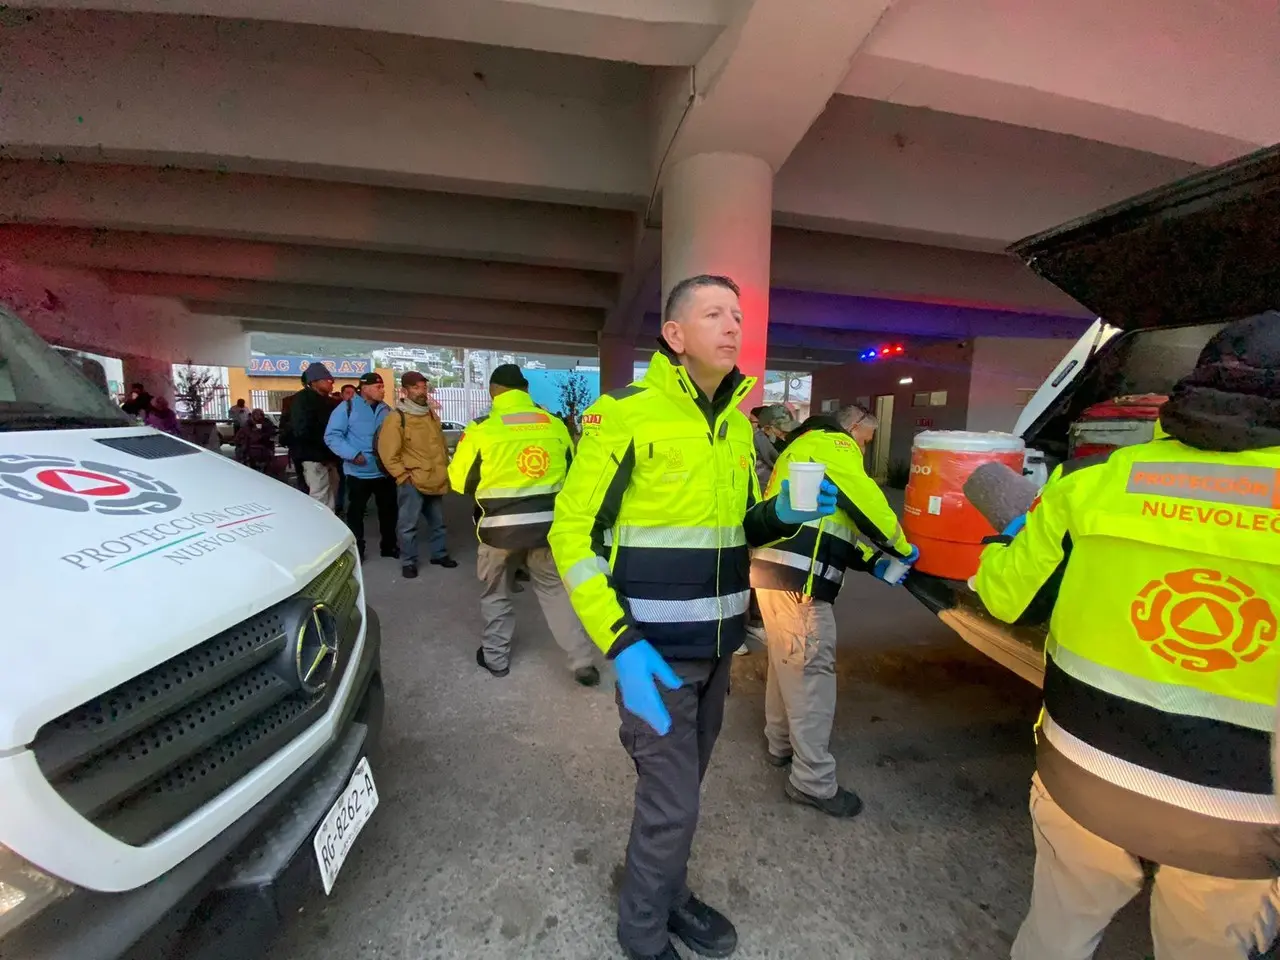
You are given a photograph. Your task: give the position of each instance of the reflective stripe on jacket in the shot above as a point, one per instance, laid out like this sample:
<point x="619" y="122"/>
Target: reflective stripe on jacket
<point x="513" y="461"/>
<point x="652" y="527"/>
<point x="814" y="561"/>
<point x="1159" y="568"/>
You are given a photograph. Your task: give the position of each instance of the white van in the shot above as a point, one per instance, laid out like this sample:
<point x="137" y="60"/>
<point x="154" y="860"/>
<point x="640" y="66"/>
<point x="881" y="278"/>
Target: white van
<point x="190" y="688"/>
<point x="1164" y="272"/>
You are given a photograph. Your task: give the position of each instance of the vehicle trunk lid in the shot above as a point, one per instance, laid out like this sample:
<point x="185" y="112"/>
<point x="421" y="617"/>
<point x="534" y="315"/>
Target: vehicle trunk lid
<point x="1204" y="248"/>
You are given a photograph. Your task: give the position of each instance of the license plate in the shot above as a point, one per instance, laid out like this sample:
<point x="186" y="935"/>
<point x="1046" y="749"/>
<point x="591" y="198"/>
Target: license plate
<point x="344" y="821"/>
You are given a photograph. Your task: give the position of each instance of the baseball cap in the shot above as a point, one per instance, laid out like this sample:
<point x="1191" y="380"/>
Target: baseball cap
<point x="508" y="375"/>
<point x="368" y="378"/>
<point x="316" y="372"/>
<point x="776" y="415"/>
<point x="411" y="377"/>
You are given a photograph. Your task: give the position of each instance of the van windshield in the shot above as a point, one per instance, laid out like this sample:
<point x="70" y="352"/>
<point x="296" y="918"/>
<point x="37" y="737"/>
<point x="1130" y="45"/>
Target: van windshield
<point x="39" y="390"/>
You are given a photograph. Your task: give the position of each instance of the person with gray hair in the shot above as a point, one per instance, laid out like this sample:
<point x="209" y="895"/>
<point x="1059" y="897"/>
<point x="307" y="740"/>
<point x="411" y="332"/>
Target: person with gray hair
<point x="796" y="582"/>
<point x="860" y="423"/>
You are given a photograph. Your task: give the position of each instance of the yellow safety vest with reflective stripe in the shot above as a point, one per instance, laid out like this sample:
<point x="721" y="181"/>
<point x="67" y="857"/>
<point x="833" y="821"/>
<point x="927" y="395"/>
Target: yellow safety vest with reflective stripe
<point x="513" y="461"/>
<point x="814" y="561"/>
<point x="652" y="527"/>
<point x="1162" y="565"/>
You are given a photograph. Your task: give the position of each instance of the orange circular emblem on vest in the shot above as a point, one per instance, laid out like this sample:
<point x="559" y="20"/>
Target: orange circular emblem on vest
<point x="534" y="462"/>
<point x="1203" y="620"/>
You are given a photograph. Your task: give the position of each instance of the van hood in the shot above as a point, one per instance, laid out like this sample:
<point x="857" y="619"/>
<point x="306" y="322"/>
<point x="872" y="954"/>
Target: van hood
<point x="1202" y="249"/>
<point x="125" y="547"/>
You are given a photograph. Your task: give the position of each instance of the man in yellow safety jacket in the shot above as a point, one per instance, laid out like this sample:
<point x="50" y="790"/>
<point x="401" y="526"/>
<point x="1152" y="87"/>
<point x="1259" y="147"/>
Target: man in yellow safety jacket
<point x="1159" y="568"/>
<point x="513" y="461"/>
<point x="796" y="582"/>
<point x="651" y="535"/>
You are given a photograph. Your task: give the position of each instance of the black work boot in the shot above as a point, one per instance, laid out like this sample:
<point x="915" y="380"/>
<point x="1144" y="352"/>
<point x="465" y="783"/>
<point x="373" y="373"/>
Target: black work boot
<point x="485" y="663"/>
<point x="845" y="803"/>
<point x="409" y="571"/>
<point x="703" y="929"/>
<point x="392" y="552"/>
<point x="667" y="953"/>
<point x="446" y="561"/>
<point x="776" y="760"/>
<point x="587" y="676"/>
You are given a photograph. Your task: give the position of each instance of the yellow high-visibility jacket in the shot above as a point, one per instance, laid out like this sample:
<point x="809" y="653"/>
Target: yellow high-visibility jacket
<point x="1158" y="567"/>
<point x="653" y="524"/>
<point x="513" y="460"/>
<point x="814" y="561"/>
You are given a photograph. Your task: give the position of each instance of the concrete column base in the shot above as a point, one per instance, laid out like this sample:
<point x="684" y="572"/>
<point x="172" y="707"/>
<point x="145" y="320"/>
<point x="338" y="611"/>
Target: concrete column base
<point x="155" y="375"/>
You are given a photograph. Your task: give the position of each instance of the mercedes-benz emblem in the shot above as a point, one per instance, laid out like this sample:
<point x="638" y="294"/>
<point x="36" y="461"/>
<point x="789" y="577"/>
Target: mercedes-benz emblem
<point x="315" y="652"/>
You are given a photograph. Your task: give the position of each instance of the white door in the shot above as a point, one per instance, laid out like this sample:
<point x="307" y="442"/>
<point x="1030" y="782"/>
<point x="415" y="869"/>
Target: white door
<point x="880" y="444"/>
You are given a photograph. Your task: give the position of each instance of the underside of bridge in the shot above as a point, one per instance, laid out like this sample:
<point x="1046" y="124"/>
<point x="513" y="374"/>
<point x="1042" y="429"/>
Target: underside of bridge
<point x="513" y="173"/>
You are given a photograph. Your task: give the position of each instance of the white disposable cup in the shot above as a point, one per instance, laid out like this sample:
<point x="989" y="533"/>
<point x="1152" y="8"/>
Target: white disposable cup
<point x="895" y="570"/>
<point x="805" y="479"/>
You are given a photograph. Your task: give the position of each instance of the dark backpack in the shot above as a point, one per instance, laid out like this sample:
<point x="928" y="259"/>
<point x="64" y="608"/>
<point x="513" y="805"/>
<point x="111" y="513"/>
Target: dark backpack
<point x="376" y="434"/>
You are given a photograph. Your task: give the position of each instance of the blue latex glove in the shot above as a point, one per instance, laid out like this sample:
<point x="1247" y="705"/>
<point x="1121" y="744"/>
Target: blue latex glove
<point x="826" y="503"/>
<point x="1015" y="525"/>
<point x="640" y="668"/>
<point x="881" y="567"/>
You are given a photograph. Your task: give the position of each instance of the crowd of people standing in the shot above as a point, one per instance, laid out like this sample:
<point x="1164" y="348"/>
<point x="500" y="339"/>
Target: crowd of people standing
<point x="352" y="447"/>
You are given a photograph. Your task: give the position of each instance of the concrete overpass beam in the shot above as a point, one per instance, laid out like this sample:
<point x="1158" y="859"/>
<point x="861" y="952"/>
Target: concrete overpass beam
<point x="766" y="79"/>
<point x="76" y="309"/>
<point x="251" y="295"/>
<point x="306" y="265"/>
<point x="323" y="322"/>
<point x="652" y="32"/>
<point x="268" y="97"/>
<point x="314" y="213"/>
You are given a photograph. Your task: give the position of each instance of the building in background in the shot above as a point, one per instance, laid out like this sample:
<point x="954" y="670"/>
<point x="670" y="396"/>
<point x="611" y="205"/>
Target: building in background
<point x="979" y="384"/>
<point x="270" y="378"/>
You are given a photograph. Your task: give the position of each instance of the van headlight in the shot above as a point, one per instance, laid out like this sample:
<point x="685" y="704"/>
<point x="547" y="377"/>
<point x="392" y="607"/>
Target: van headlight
<point x="25" y="891"/>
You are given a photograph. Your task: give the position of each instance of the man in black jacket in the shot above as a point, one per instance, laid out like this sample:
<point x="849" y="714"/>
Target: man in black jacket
<point x="305" y="422"/>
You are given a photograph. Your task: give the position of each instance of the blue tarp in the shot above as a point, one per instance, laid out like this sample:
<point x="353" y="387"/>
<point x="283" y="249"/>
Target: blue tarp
<point x="544" y="386"/>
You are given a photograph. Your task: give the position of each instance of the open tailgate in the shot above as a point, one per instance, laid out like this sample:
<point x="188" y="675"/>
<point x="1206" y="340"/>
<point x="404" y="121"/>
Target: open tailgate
<point x="1020" y="649"/>
<point x="1201" y="249"/>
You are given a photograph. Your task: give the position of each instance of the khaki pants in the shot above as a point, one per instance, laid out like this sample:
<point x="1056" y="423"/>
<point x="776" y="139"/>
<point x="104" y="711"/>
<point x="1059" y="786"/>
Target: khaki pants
<point x="800" y="696"/>
<point x="322" y="481"/>
<point x="495" y="567"/>
<point x="1081" y="881"/>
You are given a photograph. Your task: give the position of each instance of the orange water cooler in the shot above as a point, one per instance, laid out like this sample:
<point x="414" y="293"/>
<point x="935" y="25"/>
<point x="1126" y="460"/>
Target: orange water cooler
<point x="937" y="517"/>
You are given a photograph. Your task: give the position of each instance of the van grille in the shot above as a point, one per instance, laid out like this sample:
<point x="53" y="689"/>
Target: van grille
<point x="139" y="758"/>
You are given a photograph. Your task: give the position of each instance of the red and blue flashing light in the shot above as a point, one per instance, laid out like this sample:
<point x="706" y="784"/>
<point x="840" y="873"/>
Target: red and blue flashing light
<point x="881" y="353"/>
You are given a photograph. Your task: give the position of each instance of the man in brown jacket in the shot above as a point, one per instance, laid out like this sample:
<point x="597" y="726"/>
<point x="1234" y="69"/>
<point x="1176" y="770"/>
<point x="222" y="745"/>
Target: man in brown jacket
<point x="411" y="447"/>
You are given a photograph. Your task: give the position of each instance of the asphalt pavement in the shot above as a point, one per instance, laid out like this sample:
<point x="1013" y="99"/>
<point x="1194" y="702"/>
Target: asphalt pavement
<point x="505" y="803"/>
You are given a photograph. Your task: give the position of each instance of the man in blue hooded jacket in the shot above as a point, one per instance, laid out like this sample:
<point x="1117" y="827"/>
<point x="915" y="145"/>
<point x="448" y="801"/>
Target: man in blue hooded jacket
<point x="353" y="425"/>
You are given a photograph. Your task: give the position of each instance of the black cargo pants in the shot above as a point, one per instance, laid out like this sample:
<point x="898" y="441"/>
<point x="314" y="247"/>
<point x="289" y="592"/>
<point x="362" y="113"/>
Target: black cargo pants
<point x="669" y="772"/>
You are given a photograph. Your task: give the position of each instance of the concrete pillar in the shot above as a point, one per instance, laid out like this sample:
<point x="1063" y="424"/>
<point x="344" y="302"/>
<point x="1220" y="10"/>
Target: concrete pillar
<point x="717" y="217"/>
<point x="617" y="363"/>
<point x="155" y="375"/>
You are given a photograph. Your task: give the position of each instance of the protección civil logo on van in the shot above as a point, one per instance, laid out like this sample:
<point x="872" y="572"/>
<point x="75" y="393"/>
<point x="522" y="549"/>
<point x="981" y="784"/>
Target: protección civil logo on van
<point x="83" y="486"/>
